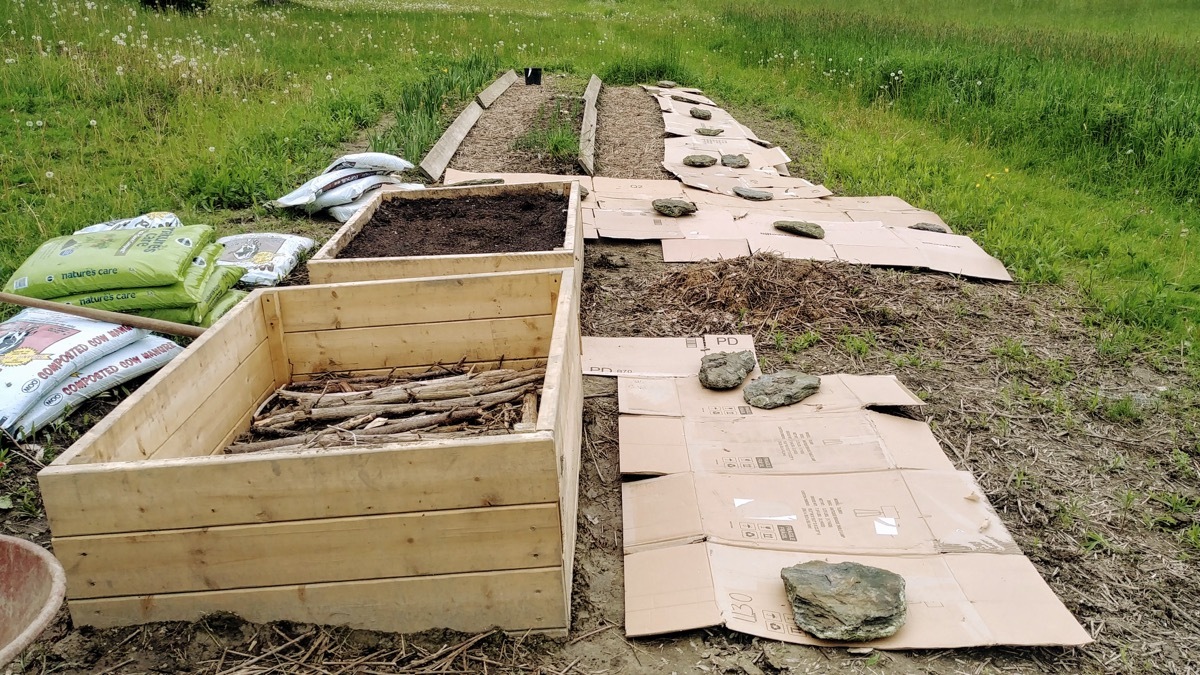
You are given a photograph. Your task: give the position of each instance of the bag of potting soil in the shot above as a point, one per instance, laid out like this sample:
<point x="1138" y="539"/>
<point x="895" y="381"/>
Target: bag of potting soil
<point x="308" y="193"/>
<point x="220" y="282"/>
<point x="380" y="161"/>
<point x="344" y="212"/>
<point x="222" y="307"/>
<point x="268" y="257"/>
<point x="40" y="348"/>
<point x="143" y="356"/>
<point x="174" y="314"/>
<point x="350" y="192"/>
<point x="80" y="263"/>
<point x="186" y="293"/>
<point x="144" y="221"/>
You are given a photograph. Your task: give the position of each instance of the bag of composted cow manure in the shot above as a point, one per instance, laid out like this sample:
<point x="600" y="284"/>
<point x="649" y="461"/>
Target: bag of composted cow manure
<point x="380" y="161"/>
<point x="40" y="348"/>
<point x="186" y="293"/>
<point x="326" y="182"/>
<point x="344" y="212"/>
<point x="350" y="192"/>
<point x="80" y="263"/>
<point x="268" y="257"/>
<point x="144" y="221"/>
<point x="222" y="307"/>
<point x="143" y="356"/>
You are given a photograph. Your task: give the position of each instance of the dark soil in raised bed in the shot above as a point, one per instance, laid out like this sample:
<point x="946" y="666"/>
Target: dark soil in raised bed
<point x="497" y="224"/>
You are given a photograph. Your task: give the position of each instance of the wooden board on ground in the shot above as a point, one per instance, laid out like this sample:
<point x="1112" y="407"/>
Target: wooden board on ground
<point x="488" y="96"/>
<point x="438" y="157"/>
<point x="587" y="132"/>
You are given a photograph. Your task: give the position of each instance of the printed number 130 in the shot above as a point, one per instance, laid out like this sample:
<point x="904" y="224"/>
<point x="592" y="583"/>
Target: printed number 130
<point x="741" y="609"/>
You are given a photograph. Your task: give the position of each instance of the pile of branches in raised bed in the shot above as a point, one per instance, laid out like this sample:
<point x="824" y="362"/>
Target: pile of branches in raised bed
<point x="372" y="410"/>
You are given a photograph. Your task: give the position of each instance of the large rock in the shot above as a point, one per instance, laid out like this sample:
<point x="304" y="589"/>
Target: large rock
<point x="845" y="601"/>
<point x="699" y="161"/>
<point x="930" y="227"/>
<point x="708" y="131"/>
<point x="735" y="161"/>
<point x="674" y="207"/>
<point x="752" y="195"/>
<point x="668" y="84"/>
<point x="725" y="370"/>
<point x="779" y="389"/>
<point x="701" y="113"/>
<point x="810" y="230"/>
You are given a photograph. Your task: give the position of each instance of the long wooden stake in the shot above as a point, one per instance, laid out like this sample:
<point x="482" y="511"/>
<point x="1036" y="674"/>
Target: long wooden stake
<point x="156" y="325"/>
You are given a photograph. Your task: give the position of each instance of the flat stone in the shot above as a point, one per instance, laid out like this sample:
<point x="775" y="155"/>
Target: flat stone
<point x="701" y="113"/>
<point x="705" y="131"/>
<point x="685" y="99"/>
<point x="810" y="230"/>
<point x="700" y="161"/>
<point x="726" y="370"/>
<point x="930" y="227"/>
<point x="735" y="161"/>
<point x="753" y="195"/>
<point x="583" y="192"/>
<point x="845" y="601"/>
<point x="668" y="84"/>
<point x="779" y="389"/>
<point x="674" y="207"/>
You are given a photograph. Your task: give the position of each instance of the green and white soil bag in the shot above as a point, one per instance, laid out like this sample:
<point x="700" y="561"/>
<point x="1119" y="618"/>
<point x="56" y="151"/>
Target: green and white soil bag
<point x="220" y="282"/>
<point x="39" y="349"/>
<point x="143" y="356"/>
<point x="100" y="261"/>
<point x="144" y="221"/>
<point x="379" y="161"/>
<point x="268" y="257"/>
<point x="326" y="182"/>
<point x="186" y="293"/>
<point x="222" y="307"/>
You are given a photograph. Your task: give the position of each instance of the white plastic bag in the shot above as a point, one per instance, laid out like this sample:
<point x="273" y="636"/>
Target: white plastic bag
<point x="143" y="356"/>
<point x="40" y="348"/>
<point x="344" y="212"/>
<point x="308" y="193"/>
<point x="268" y="257"/>
<point x="146" y="220"/>
<point x="349" y="192"/>
<point x="380" y="161"/>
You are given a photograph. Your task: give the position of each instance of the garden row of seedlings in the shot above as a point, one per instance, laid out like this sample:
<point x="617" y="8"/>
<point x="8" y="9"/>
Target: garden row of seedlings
<point x="447" y="402"/>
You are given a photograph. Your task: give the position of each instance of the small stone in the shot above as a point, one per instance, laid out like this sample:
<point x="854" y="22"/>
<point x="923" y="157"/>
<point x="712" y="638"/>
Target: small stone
<point x="810" y="230"/>
<point x="583" y="192"/>
<point x="752" y="195"/>
<point x="705" y="131"/>
<point x="685" y="99"/>
<point x="701" y="113"/>
<point x="477" y="181"/>
<point x="735" y="161"/>
<point x="845" y="601"/>
<point x="668" y="84"/>
<point x="930" y="227"/>
<point x="674" y="207"/>
<point x="779" y="389"/>
<point x="726" y="370"/>
<point x="699" y="161"/>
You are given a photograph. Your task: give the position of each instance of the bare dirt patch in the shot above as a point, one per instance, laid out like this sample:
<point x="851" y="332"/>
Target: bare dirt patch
<point x="629" y="134"/>
<point x="495" y="224"/>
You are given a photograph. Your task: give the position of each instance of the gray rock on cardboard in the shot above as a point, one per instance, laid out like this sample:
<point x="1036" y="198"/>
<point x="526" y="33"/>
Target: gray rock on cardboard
<point x="476" y="181"/>
<point x="708" y="131"/>
<point x="779" y="389"/>
<point x="673" y="208"/>
<point x="668" y="84"/>
<point x="726" y="370"/>
<point x="699" y="161"/>
<point x="735" y="161"/>
<point x="845" y="601"/>
<point x="801" y="228"/>
<point x="701" y="113"/>
<point x="930" y="227"/>
<point x="752" y="195"/>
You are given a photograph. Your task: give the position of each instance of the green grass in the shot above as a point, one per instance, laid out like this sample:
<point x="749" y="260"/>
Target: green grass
<point x="554" y="132"/>
<point x="1063" y="136"/>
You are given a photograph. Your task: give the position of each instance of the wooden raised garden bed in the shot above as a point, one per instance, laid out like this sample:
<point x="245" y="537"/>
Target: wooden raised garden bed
<point x="153" y="522"/>
<point x="403" y="234"/>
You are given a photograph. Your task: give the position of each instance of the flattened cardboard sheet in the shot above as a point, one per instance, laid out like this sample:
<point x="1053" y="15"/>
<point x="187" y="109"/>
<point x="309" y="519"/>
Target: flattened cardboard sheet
<point x="636" y="225"/>
<point x="655" y="357"/>
<point x="694" y="250"/>
<point x="954" y="600"/>
<point x="639" y="189"/>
